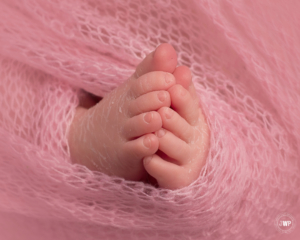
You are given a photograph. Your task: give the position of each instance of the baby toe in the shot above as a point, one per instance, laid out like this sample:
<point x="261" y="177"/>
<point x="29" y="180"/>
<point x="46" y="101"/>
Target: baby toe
<point x="149" y="82"/>
<point x="183" y="76"/>
<point x="149" y="102"/>
<point x="168" y="175"/>
<point x="141" y="124"/>
<point x="141" y="147"/>
<point x="164" y="58"/>
<point x="178" y="150"/>
<point x="184" y="104"/>
<point x="176" y="124"/>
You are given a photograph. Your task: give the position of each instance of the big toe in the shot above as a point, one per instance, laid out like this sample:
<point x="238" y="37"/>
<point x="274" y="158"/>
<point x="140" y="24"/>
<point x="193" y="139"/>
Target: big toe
<point x="164" y="58"/>
<point x="184" y="104"/>
<point x="183" y="76"/>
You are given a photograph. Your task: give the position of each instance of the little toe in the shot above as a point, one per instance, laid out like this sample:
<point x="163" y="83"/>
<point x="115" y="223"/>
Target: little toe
<point x="177" y="149"/>
<point x="174" y="123"/>
<point x="164" y="58"/>
<point x="184" y="104"/>
<point x="149" y="102"/>
<point x="168" y="175"/>
<point x="153" y="81"/>
<point x="141" y="124"/>
<point x="141" y="147"/>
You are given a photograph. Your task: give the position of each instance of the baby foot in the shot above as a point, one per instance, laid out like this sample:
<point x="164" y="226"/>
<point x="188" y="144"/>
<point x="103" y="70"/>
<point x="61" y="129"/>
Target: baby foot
<point x="116" y="134"/>
<point x="184" y="138"/>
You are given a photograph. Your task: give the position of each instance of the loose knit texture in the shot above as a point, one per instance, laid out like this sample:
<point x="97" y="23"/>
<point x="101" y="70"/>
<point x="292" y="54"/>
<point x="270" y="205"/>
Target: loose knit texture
<point x="244" y="56"/>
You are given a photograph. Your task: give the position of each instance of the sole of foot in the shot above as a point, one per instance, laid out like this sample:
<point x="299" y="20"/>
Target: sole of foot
<point x="116" y="134"/>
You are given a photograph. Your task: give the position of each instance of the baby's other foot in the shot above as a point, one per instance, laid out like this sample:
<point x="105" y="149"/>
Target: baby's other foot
<point x="183" y="139"/>
<point x="116" y="134"/>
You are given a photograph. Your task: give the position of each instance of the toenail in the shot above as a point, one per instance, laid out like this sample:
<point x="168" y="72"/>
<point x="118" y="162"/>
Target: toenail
<point x="169" y="78"/>
<point x="148" y="117"/>
<point x="168" y="113"/>
<point x="160" y="133"/>
<point x="162" y="96"/>
<point x="147" y="160"/>
<point x="147" y="142"/>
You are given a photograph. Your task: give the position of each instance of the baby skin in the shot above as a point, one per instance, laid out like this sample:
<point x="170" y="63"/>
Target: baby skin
<point x="151" y="124"/>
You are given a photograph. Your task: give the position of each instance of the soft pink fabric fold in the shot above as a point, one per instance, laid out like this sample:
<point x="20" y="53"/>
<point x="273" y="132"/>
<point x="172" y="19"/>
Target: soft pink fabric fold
<point x="244" y="56"/>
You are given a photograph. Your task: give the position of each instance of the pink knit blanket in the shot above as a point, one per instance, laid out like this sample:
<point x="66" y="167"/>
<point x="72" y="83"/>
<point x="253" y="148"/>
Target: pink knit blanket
<point x="245" y="60"/>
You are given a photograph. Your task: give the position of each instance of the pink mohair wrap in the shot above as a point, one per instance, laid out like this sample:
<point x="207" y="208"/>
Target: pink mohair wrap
<point x="245" y="60"/>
